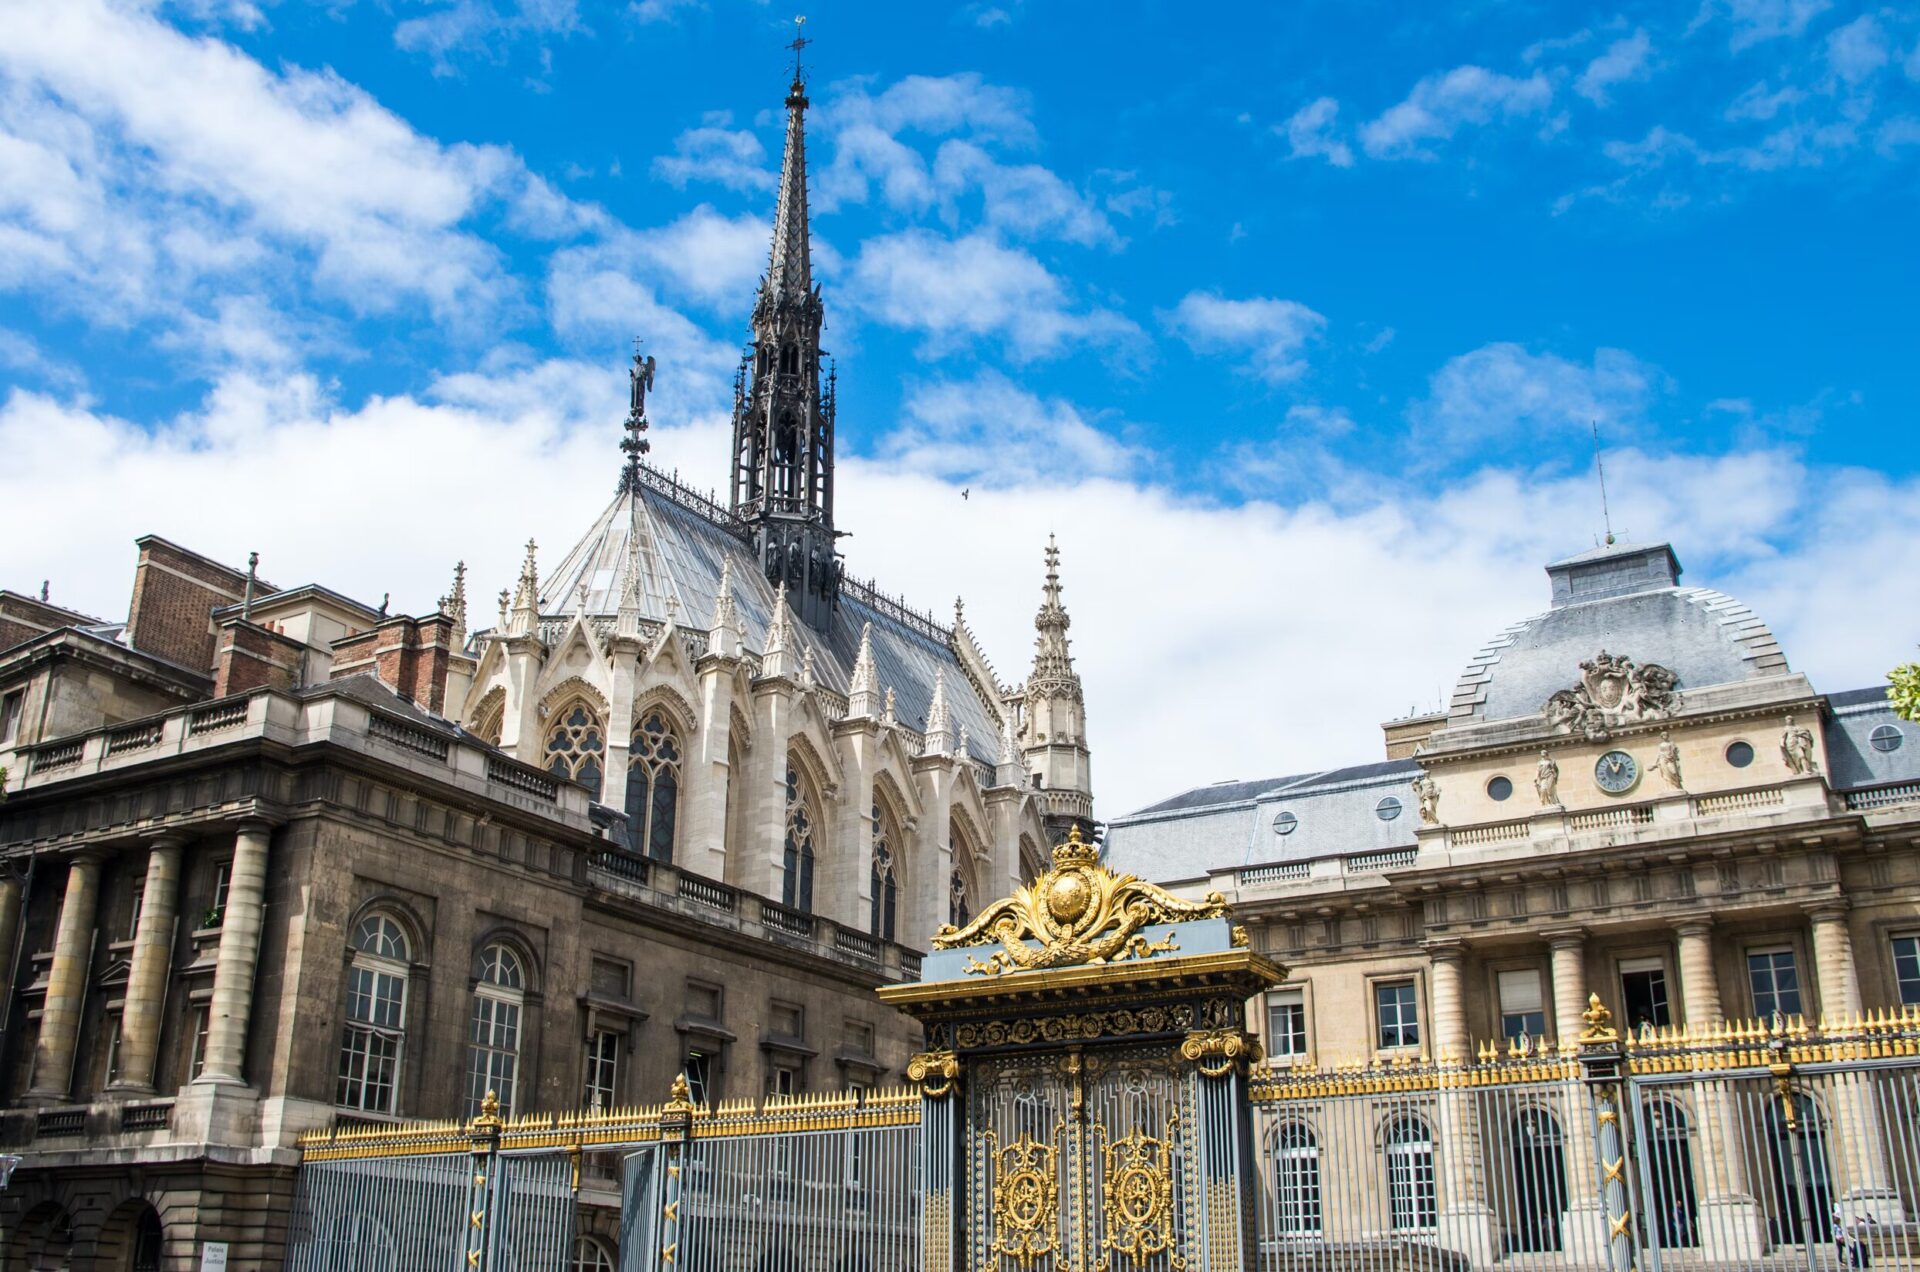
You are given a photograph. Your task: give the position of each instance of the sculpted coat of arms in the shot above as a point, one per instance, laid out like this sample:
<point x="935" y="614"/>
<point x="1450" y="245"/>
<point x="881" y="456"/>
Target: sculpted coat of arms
<point x="1613" y="690"/>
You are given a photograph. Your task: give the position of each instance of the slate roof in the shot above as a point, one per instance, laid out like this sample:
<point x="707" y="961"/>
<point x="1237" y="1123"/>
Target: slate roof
<point x="684" y="538"/>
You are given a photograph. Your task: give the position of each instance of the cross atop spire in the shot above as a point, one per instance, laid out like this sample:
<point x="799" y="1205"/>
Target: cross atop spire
<point x="800" y="42"/>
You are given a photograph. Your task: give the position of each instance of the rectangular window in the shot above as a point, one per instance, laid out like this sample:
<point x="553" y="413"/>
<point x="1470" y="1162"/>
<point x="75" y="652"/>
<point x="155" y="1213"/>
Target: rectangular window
<point x="603" y="1069"/>
<point x="217" y="910"/>
<point x="197" y="1059"/>
<point x="370" y="1045"/>
<point x="139" y="900"/>
<point x="10" y="709"/>
<point x="1643" y="992"/>
<point x="1397" y="1011"/>
<point x="1522" y="1012"/>
<point x="493" y="1053"/>
<point x="1775" y="982"/>
<point x="1906" y="969"/>
<point x="700" y="1077"/>
<point x="113" y="1048"/>
<point x="1286" y="1024"/>
<point x="783" y="1079"/>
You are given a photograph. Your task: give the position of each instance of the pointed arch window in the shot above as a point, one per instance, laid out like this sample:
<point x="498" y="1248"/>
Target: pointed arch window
<point x="577" y="746"/>
<point x="653" y="786"/>
<point x="796" y="888"/>
<point x="375" y="1034"/>
<point x="886" y="882"/>
<point x="489" y="720"/>
<point x="959" y="903"/>
<point x="493" y="1043"/>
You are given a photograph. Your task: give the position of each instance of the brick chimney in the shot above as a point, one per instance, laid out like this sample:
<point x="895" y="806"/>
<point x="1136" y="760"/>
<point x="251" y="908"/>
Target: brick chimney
<point x="408" y="655"/>
<point x="247" y="656"/>
<point x="175" y="592"/>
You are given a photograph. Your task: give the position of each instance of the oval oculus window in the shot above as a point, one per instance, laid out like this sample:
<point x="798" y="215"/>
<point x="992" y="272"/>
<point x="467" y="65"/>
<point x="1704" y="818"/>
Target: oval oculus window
<point x="1740" y="754"/>
<point x="1886" y="738"/>
<point x="1285" y="823"/>
<point x="1500" y="788"/>
<point x="1387" y="809"/>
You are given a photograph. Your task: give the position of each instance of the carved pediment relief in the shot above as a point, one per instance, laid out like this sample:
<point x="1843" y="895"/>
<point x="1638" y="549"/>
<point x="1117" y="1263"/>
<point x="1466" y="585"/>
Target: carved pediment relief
<point x="1078" y="912"/>
<point x="1613" y="690"/>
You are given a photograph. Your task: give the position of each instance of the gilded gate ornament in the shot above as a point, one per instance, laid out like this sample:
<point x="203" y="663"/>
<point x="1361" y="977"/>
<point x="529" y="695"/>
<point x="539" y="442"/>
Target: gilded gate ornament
<point x="1217" y="1052"/>
<point x="1026" y="1202"/>
<point x="1077" y="912"/>
<point x="934" y="1071"/>
<point x="1138" y="1211"/>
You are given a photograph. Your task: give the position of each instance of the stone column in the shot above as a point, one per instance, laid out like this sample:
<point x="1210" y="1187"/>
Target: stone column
<point x="10" y="886"/>
<point x="67" y="981"/>
<point x="1854" y="1139"/>
<point x="141" y="1016"/>
<point x="1570" y="988"/>
<point x="1699" y="986"/>
<point x="1465" y="1220"/>
<point x="233" y="972"/>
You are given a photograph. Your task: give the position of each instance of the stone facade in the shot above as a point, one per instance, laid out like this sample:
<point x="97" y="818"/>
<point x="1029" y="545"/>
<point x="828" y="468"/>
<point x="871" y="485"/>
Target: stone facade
<point x="1665" y="852"/>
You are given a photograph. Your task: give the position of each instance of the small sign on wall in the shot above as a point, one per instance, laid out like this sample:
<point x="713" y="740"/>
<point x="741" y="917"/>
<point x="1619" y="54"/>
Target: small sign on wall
<point x="213" y="1256"/>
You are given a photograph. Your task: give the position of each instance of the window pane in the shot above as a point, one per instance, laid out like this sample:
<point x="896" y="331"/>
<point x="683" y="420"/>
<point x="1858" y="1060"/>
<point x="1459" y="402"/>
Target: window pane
<point x="1775" y="982"/>
<point x="1906" y="968"/>
<point x="1398" y="1015"/>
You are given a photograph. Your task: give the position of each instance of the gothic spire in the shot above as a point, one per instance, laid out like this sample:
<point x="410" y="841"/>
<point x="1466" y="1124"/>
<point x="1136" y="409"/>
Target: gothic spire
<point x="1055" y="742"/>
<point x="790" y="268"/>
<point x="454" y="603"/>
<point x="639" y="382"/>
<point x="1052" y="660"/>
<point x="526" y="597"/>
<point x="777" y="658"/>
<point x="939" y="719"/>
<point x="723" y="637"/>
<point x="863" y="688"/>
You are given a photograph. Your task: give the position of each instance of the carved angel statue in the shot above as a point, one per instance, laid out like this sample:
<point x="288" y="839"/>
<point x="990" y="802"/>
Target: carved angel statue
<point x="1667" y="761"/>
<point x="1427" y="791"/>
<point x="1546" y="780"/>
<point x="1796" y="746"/>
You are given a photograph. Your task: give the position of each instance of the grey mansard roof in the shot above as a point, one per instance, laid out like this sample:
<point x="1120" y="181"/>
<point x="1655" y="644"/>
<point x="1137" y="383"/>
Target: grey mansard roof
<point x="684" y="539"/>
<point x="1624" y="599"/>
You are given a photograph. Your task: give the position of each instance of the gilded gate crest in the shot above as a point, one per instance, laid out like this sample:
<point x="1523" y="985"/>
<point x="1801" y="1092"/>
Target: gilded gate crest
<point x="1026" y="1201"/>
<point x="1138" y="1210"/>
<point x="1078" y="912"/>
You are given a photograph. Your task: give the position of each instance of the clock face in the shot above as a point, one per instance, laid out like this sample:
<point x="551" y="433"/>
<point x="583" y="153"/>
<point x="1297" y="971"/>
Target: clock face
<point x="1615" y="772"/>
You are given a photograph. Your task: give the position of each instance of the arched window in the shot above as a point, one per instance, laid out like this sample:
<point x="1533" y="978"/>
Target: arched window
<point x="591" y="1256"/>
<point x="653" y="786"/>
<point x="577" y="746"/>
<point x="1666" y="1139"/>
<point x="488" y="720"/>
<point x="958" y="908"/>
<point x="493" y="1044"/>
<point x="886" y="881"/>
<point x="960" y="885"/>
<point x="1539" y="1191"/>
<point x="1296" y="1181"/>
<point x="796" y="885"/>
<point x="1032" y="864"/>
<point x="1411" y="1201"/>
<point x="375" y="1034"/>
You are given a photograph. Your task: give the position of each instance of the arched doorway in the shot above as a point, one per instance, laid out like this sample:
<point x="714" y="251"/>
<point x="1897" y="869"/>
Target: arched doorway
<point x="1539" y="1164"/>
<point x="1802" y="1190"/>
<point x="1666" y="1139"/>
<point x="43" y="1241"/>
<point x="132" y="1239"/>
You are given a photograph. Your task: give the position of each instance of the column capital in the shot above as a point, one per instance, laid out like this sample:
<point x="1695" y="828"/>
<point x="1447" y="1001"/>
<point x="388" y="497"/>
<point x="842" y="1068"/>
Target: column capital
<point x="175" y="838"/>
<point x="257" y="824"/>
<point x="1446" y="950"/>
<point x="1828" y="909"/>
<point x="1570" y="938"/>
<point x="1693" y="925"/>
<point x="91" y="855"/>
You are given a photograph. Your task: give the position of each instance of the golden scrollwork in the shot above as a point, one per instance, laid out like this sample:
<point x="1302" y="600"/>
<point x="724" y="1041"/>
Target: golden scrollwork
<point x="935" y="1072"/>
<point x="1077" y="912"/>
<point x="1241" y="940"/>
<point x="1026" y="1202"/>
<point x="1218" y="1052"/>
<point x="1137" y="1187"/>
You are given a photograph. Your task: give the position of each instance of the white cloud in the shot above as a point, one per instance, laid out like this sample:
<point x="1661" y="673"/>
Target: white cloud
<point x="734" y="158"/>
<point x="1440" y="105"/>
<point x="1762" y="101"/>
<point x="864" y="131"/>
<point x="1503" y="391"/>
<point x="1757" y="21"/>
<point x="151" y="151"/>
<point x="649" y="11"/>
<point x="480" y="25"/>
<point x="1025" y="199"/>
<point x="1176" y="603"/>
<point x="1309" y="133"/>
<point x="971" y="287"/>
<point x="1624" y="61"/>
<point x="1859" y="50"/>
<point x="1271" y="334"/>
<point x="990" y="430"/>
<point x="713" y="258"/>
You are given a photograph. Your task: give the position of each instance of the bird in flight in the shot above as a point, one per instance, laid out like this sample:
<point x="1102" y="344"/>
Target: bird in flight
<point x="966" y="492"/>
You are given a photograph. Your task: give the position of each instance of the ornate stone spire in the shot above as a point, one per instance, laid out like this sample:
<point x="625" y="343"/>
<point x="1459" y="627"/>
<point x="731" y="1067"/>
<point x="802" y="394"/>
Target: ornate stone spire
<point x="863" y="688"/>
<point x="887" y="715"/>
<point x="1007" y="768"/>
<point x="1055" y="745"/>
<point x="806" y="668"/>
<point x="627" y="623"/>
<point x="777" y="658"/>
<point x="723" y="637"/>
<point x="526" y="597"/>
<point x="782" y="484"/>
<point x="939" y="719"/>
<point x="640" y="381"/>
<point x="454" y="605"/>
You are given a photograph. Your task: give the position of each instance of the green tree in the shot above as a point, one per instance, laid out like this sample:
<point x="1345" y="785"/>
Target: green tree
<point x="1903" y="687"/>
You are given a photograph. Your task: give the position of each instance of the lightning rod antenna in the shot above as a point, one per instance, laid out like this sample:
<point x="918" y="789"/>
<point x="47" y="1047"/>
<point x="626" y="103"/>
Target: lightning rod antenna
<point x="1600" y="467"/>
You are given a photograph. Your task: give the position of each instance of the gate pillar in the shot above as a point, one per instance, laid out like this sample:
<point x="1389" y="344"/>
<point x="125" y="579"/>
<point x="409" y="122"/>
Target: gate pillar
<point x="1084" y="1088"/>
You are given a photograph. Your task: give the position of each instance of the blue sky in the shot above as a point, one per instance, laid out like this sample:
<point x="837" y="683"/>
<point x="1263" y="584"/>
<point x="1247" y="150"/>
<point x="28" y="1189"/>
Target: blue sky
<point x="1306" y="306"/>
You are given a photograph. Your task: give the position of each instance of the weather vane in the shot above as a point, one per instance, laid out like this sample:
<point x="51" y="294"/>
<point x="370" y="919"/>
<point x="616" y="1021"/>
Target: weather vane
<point x="800" y="41"/>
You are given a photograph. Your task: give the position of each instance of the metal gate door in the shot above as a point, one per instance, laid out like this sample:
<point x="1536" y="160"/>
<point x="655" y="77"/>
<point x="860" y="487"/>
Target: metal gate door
<point x="1081" y="1160"/>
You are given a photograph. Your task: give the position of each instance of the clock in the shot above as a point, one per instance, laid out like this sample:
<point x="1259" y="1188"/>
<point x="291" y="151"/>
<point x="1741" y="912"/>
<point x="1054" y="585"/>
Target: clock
<point x="1615" y="772"/>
